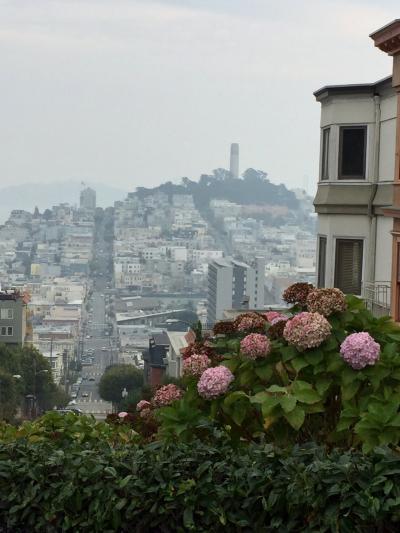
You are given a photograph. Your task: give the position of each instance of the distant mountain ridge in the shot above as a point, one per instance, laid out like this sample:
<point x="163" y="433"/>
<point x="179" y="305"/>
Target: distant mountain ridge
<point x="45" y="195"/>
<point x="252" y="188"/>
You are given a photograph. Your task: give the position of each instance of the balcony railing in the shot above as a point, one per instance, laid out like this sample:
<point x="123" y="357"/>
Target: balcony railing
<point x="377" y="297"/>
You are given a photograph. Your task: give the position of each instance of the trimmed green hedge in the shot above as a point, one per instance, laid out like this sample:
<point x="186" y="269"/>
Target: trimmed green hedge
<point x="82" y="486"/>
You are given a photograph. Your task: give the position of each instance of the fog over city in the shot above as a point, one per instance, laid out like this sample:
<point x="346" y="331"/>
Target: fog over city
<point x="134" y="92"/>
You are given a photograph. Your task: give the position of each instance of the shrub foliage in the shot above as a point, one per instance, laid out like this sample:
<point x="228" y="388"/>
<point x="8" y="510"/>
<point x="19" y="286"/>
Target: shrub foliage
<point x="69" y="473"/>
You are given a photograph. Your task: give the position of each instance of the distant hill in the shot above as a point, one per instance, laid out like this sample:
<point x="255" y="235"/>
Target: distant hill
<point x="45" y="195"/>
<point x="252" y="188"/>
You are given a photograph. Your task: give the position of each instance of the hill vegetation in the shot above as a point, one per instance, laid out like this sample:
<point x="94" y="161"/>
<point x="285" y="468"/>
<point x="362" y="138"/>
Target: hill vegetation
<point x="252" y="188"/>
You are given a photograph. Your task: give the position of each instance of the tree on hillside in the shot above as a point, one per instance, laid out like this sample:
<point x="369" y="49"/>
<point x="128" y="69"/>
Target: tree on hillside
<point x="117" y="378"/>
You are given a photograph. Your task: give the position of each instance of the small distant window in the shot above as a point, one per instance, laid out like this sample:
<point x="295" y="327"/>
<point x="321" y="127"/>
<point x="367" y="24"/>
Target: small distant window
<point x="352" y="152"/>
<point x="7" y="314"/>
<point x="3" y="331"/>
<point x="325" y="154"/>
<point x="10" y="331"/>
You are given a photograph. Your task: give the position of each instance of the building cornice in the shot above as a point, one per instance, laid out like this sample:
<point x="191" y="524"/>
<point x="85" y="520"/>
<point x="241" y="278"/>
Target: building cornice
<point x="387" y="38"/>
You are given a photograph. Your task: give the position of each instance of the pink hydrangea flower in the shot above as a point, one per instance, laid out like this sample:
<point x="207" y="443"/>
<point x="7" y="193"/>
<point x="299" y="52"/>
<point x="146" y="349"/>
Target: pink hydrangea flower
<point x="166" y="395"/>
<point x="214" y="382"/>
<point x="255" y="345"/>
<point x="196" y="364"/>
<point x="280" y="318"/>
<point x="360" y="350"/>
<point x="143" y="404"/>
<point x="122" y="414"/>
<point x="307" y="330"/>
<point x="272" y="315"/>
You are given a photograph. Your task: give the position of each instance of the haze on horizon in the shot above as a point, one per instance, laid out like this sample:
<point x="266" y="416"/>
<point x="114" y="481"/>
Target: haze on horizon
<point x="135" y="92"/>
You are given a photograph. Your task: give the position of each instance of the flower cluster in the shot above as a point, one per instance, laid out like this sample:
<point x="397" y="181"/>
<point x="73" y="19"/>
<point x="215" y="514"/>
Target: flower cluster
<point x="122" y="414"/>
<point x="195" y="364"/>
<point x="307" y="330"/>
<point x="166" y="395"/>
<point x="143" y="404"/>
<point x="272" y="315"/>
<point x="297" y="293"/>
<point x="249" y="322"/>
<point x="360" y="350"/>
<point x="255" y="345"/>
<point x="326" y="301"/>
<point x="224" y="327"/>
<point x="197" y="348"/>
<point x="276" y="329"/>
<point x="214" y="382"/>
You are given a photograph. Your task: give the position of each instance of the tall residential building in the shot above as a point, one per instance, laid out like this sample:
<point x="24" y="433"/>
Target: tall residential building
<point x="88" y="199"/>
<point x="234" y="285"/>
<point x="12" y="317"/>
<point x="357" y="201"/>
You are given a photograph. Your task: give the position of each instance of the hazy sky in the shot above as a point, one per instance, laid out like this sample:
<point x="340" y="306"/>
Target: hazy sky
<point x="134" y="92"/>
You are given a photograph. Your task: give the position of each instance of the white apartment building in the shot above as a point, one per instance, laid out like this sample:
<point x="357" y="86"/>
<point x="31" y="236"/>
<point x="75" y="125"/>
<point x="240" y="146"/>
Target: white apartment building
<point x="234" y="285"/>
<point x="357" y="204"/>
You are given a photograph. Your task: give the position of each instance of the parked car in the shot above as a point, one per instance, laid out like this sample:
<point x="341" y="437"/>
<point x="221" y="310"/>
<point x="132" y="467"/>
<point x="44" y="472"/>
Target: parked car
<point x="85" y="394"/>
<point x="104" y="349"/>
<point x="92" y="379"/>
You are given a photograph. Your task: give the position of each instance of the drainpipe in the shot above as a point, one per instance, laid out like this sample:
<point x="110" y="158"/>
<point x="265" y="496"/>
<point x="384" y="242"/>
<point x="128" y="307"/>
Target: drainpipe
<point x="373" y="219"/>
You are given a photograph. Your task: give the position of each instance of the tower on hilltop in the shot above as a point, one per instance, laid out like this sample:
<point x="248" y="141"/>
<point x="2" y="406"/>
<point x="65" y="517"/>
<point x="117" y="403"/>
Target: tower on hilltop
<point x="234" y="161"/>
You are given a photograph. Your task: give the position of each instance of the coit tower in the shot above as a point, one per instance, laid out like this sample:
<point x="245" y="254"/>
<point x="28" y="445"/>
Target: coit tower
<point x="234" y="162"/>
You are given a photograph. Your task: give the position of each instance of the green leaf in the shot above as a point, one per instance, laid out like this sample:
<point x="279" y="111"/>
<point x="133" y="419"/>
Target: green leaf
<point x="298" y="363"/>
<point x="296" y="417"/>
<point x="232" y="364"/>
<point x="239" y="412"/>
<point x="304" y="392"/>
<point x="350" y="390"/>
<point x="288" y="403"/>
<point x="322" y="385"/>
<point x="277" y="388"/>
<point x="348" y="375"/>
<point x="288" y="352"/>
<point x="234" y="397"/>
<point x="314" y="357"/>
<point x="269" y="405"/>
<point x="264" y="372"/>
<point x="188" y="518"/>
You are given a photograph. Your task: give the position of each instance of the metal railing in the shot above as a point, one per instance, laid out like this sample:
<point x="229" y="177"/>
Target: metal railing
<point x="376" y="295"/>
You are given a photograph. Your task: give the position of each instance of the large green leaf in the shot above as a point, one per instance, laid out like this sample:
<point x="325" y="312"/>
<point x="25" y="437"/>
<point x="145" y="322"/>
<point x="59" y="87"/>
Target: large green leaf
<point x="288" y="403"/>
<point x="298" y="363"/>
<point x="304" y="392"/>
<point x="296" y="417"/>
<point x="264" y="372"/>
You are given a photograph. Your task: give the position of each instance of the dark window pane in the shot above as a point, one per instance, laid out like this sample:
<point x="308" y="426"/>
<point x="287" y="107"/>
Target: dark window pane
<point x="325" y="154"/>
<point x="348" y="265"/>
<point x="321" y="262"/>
<point x="352" y="152"/>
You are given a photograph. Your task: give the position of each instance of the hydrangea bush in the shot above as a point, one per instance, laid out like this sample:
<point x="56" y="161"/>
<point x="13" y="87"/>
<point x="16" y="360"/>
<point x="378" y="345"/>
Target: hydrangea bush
<point x="330" y="373"/>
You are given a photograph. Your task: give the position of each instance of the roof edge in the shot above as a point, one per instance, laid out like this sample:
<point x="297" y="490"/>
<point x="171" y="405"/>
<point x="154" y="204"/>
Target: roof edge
<point x="350" y="88"/>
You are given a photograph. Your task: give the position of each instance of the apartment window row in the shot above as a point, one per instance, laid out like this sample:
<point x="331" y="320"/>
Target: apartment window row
<point x="6" y="314"/>
<point x="348" y="264"/>
<point x="6" y="331"/>
<point x="352" y="152"/>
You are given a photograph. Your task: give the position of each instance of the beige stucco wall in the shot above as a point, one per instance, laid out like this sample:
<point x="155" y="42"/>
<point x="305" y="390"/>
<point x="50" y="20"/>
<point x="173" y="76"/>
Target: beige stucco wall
<point x="383" y="258"/>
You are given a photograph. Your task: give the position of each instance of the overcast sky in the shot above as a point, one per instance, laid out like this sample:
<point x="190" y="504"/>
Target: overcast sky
<point x="135" y="92"/>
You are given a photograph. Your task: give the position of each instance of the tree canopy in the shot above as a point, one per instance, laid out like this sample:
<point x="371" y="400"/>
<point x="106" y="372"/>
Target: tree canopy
<point x="117" y="378"/>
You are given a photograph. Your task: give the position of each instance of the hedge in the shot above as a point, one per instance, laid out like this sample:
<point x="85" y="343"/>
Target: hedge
<point x="82" y="486"/>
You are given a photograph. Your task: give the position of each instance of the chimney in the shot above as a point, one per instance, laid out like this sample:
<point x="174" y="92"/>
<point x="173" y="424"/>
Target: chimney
<point x="234" y="162"/>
